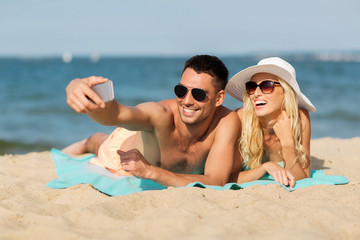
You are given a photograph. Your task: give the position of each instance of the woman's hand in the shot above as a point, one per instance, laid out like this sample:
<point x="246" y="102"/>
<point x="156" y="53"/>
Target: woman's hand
<point x="282" y="129"/>
<point x="280" y="174"/>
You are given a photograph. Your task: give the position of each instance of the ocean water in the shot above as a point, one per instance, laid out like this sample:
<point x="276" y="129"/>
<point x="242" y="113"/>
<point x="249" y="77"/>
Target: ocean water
<point x="34" y="115"/>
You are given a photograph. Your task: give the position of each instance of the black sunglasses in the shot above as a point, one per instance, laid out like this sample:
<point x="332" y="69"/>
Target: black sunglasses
<point x="197" y="93"/>
<point x="266" y="87"/>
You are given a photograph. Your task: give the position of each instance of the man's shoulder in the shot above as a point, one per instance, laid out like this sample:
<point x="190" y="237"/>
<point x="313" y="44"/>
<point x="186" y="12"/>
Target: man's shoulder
<point x="227" y="125"/>
<point x="168" y="105"/>
<point x="227" y="118"/>
<point x="225" y="113"/>
<point x="167" y="102"/>
<point x="164" y="105"/>
<point x="239" y="112"/>
<point x="161" y="113"/>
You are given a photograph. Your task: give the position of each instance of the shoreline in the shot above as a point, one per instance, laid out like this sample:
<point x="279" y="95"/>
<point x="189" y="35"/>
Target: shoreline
<point x="28" y="209"/>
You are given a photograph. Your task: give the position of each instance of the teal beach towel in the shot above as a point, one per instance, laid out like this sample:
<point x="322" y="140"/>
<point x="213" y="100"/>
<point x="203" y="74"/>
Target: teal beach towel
<point x="72" y="171"/>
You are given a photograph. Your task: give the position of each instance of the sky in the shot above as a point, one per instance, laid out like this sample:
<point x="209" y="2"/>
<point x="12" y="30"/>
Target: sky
<point x="177" y="27"/>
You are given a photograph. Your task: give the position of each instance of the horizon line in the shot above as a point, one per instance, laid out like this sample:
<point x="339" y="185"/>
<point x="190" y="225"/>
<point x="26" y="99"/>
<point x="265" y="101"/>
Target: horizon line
<point x="105" y="55"/>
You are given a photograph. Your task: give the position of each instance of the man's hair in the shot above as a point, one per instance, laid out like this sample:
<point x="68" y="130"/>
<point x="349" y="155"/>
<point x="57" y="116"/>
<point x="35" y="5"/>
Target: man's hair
<point x="210" y="65"/>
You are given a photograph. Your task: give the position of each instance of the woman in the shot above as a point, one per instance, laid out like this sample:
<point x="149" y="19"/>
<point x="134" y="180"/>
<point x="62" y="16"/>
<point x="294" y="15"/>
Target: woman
<point x="275" y="137"/>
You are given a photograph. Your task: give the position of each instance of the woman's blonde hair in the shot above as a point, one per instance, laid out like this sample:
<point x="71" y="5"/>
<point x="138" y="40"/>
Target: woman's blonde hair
<point x="251" y="141"/>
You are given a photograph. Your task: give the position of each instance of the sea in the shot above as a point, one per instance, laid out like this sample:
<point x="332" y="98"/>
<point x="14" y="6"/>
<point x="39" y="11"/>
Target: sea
<point x="34" y="115"/>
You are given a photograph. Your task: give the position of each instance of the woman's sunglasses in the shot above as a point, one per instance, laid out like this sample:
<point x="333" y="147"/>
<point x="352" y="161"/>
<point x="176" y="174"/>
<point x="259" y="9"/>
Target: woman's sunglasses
<point x="266" y="87"/>
<point x="197" y="93"/>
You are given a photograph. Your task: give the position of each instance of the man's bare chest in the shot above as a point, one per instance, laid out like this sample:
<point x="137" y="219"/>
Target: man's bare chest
<point x="184" y="157"/>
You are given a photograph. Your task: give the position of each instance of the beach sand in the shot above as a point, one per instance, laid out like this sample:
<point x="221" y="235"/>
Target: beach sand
<point x="30" y="210"/>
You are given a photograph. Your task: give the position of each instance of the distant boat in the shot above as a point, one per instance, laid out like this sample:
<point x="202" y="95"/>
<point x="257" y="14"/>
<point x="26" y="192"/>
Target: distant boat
<point x="338" y="57"/>
<point x="95" y="57"/>
<point x="67" y="57"/>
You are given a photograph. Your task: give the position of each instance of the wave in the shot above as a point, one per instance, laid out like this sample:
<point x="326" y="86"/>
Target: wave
<point x="342" y="115"/>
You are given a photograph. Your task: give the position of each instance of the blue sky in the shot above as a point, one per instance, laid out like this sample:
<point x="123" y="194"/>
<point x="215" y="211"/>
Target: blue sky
<point x="177" y="27"/>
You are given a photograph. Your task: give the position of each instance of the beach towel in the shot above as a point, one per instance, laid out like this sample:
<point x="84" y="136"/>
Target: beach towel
<point x="72" y="171"/>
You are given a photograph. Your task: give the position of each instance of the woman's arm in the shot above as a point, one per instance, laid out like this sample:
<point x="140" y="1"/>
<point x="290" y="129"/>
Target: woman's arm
<point x="279" y="174"/>
<point x="305" y="138"/>
<point x="283" y="131"/>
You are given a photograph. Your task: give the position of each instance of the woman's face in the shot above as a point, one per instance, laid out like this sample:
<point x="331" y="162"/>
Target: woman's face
<point x="267" y="105"/>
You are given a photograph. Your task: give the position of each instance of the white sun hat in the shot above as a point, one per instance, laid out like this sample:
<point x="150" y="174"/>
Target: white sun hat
<point x="275" y="66"/>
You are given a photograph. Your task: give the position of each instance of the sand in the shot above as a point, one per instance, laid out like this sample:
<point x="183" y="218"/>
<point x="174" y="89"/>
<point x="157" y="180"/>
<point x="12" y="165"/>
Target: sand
<point x="30" y="210"/>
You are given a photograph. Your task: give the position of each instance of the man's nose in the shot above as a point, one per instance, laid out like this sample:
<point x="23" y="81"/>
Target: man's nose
<point x="188" y="99"/>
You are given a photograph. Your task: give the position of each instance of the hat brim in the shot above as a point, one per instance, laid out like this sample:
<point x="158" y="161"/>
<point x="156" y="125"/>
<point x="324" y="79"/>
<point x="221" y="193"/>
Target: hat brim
<point x="236" y="85"/>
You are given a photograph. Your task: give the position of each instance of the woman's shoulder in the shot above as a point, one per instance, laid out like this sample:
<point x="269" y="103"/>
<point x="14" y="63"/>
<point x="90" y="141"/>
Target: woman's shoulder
<point x="304" y="118"/>
<point x="304" y="114"/>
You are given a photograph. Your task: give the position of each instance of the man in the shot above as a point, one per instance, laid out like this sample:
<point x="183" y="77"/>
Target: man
<point x="174" y="142"/>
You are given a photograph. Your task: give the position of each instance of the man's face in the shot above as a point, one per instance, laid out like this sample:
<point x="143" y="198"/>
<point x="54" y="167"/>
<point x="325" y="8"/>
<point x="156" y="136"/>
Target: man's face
<point x="192" y="111"/>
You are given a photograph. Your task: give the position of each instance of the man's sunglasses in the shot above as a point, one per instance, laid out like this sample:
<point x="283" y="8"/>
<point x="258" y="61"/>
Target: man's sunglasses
<point x="197" y="93"/>
<point x="266" y="87"/>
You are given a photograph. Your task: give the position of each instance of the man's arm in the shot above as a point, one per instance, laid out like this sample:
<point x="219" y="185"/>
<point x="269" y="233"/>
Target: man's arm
<point x="82" y="99"/>
<point x="218" y="164"/>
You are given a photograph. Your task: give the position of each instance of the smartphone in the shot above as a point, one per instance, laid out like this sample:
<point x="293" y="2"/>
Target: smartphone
<point x="104" y="90"/>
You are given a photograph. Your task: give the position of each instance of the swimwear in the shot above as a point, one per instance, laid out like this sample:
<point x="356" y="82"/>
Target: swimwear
<point x="107" y="154"/>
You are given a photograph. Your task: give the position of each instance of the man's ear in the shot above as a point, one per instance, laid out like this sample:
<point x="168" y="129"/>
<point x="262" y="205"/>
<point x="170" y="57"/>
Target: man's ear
<point x="220" y="97"/>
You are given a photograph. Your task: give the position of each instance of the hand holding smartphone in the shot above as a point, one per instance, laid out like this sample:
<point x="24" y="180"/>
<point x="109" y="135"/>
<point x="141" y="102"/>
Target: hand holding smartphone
<point x="105" y="91"/>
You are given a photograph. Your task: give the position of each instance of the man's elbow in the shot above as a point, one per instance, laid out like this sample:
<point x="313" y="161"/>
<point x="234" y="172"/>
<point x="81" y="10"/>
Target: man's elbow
<point x="221" y="182"/>
<point x="216" y="181"/>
